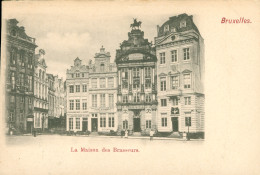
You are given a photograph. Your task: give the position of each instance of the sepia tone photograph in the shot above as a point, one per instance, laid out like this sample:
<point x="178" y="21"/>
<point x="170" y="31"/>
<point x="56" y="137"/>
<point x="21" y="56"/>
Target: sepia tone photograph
<point x="127" y="88"/>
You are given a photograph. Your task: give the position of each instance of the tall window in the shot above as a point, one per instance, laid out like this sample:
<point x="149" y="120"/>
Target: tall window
<point x="83" y="74"/>
<point x="102" y="120"/>
<point x="163" y="83"/>
<point x="38" y="120"/>
<point x="102" y="67"/>
<point x="94" y="100"/>
<point x="84" y="104"/>
<point x="182" y="24"/>
<point x="13" y="80"/>
<point x="70" y="123"/>
<point x="111" y="120"/>
<point x="111" y="100"/>
<point x="136" y="78"/>
<point x="72" y="75"/>
<point x="188" y="119"/>
<point x="136" y="97"/>
<point x="84" y="88"/>
<point x="102" y="82"/>
<point x="77" y="88"/>
<point x="175" y="101"/>
<point x="77" y="75"/>
<point x="111" y="82"/>
<point x="187" y="81"/>
<point x="22" y="58"/>
<point x="71" y="104"/>
<point x="21" y="79"/>
<point x="22" y="99"/>
<point x="125" y="124"/>
<point x="103" y="100"/>
<point x="77" y="123"/>
<point x="71" y="89"/>
<point x="163" y="102"/>
<point x="148" y="124"/>
<point x="162" y="58"/>
<point x="125" y="78"/>
<point x="77" y="104"/>
<point x="187" y="100"/>
<point x="148" y="98"/>
<point x="175" y="83"/>
<point x="94" y="83"/>
<point x="30" y="82"/>
<point x="186" y="52"/>
<point x="13" y="57"/>
<point x="164" y="120"/>
<point x="174" y="56"/>
<point x="125" y="99"/>
<point x="147" y="72"/>
<point x="30" y="61"/>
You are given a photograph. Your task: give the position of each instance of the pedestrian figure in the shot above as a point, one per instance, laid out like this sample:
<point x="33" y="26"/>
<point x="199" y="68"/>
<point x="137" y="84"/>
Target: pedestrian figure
<point x="184" y="136"/>
<point x="151" y="134"/>
<point x="126" y="134"/>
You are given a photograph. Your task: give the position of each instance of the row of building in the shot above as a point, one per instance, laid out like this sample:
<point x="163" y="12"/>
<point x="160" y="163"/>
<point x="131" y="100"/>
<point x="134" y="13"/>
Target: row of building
<point x="147" y="87"/>
<point x="34" y="99"/>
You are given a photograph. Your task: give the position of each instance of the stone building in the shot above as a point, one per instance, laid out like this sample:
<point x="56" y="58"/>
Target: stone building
<point x="137" y="90"/>
<point x="180" y="69"/>
<point x="77" y="97"/>
<point x="51" y="96"/>
<point x="19" y="57"/>
<point x="102" y="93"/>
<point x="40" y="92"/>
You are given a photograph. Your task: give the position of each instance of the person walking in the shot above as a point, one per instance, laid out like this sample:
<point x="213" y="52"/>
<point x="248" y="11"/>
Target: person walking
<point x="126" y="133"/>
<point x="151" y="134"/>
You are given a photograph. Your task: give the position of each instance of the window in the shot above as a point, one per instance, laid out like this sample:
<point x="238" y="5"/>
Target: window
<point x="148" y="98"/>
<point x="30" y="82"/>
<point x="102" y="67"/>
<point x="22" y="99"/>
<point x="70" y="123"/>
<point x="83" y="74"/>
<point x="148" y="124"/>
<point x="12" y="57"/>
<point x="147" y="72"/>
<point x="38" y="120"/>
<point x="102" y="82"/>
<point x="174" y="56"/>
<point x="163" y="102"/>
<point x="187" y="100"/>
<point x="163" y="84"/>
<point x="71" y="104"/>
<point x="77" y="75"/>
<point x="72" y="75"/>
<point x="77" y="88"/>
<point x="173" y="29"/>
<point x="183" y="24"/>
<point x="12" y="99"/>
<point x="125" y="99"/>
<point x="111" y="100"/>
<point x="175" y="83"/>
<point x="84" y="104"/>
<point x="77" y="104"/>
<point x="175" y="101"/>
<point x="111" y="120"/>
<point x="136" y="78"/>
<point x="166" y="28"/>
<point x="125" y="124"/>
<point x="186" y="52"/>
<point x="71" y="89"/>
<point x="30" y="61"/>
<point x="94" y="115"/>
<point x="125" y="78"/>
<point x="187" y="81"/>
<point x="77" y="123"/>
<point x="21" y="79"/>
<point x="136" y="97"/>
<point x="188" y="119"/>
<point x="102" y="120"/>
<point x="13" y="80"/>
<point x="164" y="120"/>
<point x="22" y="58"/>
<point x="94" y="83"/>
<point x="162" y="58"/>
<point x="94" y="100"/>
<point x="110" y="82"/>
<point x="29" y="100"/>
<point x="103" y="100"/>
<point x="84" y="88"/>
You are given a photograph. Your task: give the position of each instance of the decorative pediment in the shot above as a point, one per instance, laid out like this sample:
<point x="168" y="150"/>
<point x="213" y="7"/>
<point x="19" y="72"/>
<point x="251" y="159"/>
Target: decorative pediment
<point x="162" y="75"/>
<point x="172" y="37"/>
<point x="186" y="71"/>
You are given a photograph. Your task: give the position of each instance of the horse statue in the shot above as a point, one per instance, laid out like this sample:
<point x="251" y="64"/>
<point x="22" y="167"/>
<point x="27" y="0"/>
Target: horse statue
<point x="136" y="25"/>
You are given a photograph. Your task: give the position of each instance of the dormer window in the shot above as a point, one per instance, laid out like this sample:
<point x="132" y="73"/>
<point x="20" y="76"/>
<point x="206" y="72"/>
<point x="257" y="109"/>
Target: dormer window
<point x="77" y="75"/>
<point x="102" y="67"/>
<point x="13" y="32"/>
<point x="166" y="28"/>
<point x="173" y="29"/>
<point x="183" y="24"/>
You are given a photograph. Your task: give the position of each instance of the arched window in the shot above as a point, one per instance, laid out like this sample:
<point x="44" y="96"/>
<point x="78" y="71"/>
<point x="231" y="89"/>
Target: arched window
<point x="102" y="67"/>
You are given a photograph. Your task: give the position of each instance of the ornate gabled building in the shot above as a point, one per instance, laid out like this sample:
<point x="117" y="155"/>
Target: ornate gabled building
<point x="137" y="90"/>
<point x="19" y="57"/>
<point x="102" y="93"/>
<point x="180" y="69"/>
<point x="77" y="97"/>
<point x="40" y="92"/>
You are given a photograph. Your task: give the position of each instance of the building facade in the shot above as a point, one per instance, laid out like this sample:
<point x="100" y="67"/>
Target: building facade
<point x="19" y="56"/>
<point x="137" y="84"/>
<point x="77" y="97"/>
<point x="102" y="93"/>
<point x="180" y="69"/>
<point x="40" y="92"/>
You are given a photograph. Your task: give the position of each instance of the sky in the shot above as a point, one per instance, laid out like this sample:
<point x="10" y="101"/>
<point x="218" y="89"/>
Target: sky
<point x="68" y="31"/>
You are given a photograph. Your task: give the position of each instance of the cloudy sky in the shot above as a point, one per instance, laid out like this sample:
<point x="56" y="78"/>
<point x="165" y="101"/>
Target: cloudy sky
<point x="66" y="31"/>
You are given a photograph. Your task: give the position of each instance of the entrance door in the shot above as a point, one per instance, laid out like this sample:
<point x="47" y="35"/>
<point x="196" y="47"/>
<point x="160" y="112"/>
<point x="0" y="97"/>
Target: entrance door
<point x="29" y="127"/>
<point x="94" y="125"/>
<point x="84" y="126"/>
<point x="137" y="127"/>
<point x="175" y="124"/>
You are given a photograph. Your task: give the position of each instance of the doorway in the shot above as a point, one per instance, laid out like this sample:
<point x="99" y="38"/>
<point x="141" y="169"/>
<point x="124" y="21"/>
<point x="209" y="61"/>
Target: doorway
<point x="85" y="126"/>
<point x="29" y="127"/>
<point x="137" y="127"/>
<point x="94" y="126"/>
<point x="175" y="124"/>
